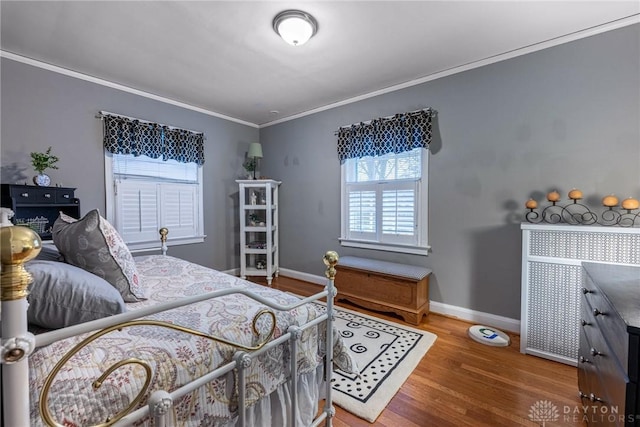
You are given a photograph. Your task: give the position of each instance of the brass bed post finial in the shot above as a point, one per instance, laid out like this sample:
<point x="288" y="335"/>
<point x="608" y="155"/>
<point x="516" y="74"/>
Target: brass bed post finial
<point x="163" y="234"/>
<point x="330" y="260"/>
<point x="18" y="245"/>
<point x="163" y="239"/>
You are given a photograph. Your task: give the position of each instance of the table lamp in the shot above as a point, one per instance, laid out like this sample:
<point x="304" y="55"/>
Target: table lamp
<point x="255" y="153"/>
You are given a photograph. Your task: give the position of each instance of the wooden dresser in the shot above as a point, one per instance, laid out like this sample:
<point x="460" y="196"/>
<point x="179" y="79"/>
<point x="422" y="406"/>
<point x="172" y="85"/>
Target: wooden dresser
<point x="608" y="361"/>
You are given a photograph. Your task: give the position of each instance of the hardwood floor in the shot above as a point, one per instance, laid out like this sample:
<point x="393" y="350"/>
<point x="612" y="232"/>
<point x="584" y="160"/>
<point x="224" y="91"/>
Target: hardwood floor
<point x="464" y="383"/>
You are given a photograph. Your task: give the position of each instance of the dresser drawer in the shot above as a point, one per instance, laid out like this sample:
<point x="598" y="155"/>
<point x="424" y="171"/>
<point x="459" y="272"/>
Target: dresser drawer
<point x="608" y="382"/>
<point x="597" y="309"/>
<point x="589" y="385"/>
<point x="33" y="195"/>
<point x="634" y="360"/>
<point x="610" y="339"/>
<point x="64" y="195"/>
<point x="596" y="408"/>
<point x="588" y="380"/>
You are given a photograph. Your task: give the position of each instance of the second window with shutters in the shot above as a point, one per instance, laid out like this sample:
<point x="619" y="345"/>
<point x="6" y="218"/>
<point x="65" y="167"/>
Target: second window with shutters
<point x="384" y="202"/>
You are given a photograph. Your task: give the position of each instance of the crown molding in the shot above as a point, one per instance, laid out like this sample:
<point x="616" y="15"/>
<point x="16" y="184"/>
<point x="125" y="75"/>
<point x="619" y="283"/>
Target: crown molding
<point x="609" y="26"/>
<point x="599" y="29"/>
<point x="102" y="82"/>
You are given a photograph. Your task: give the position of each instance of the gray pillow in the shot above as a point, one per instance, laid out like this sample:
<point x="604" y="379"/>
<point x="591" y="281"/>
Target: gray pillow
<point x="93" y="244"/>
<point x="49" y="253"/>
<point x="63" y="295"/>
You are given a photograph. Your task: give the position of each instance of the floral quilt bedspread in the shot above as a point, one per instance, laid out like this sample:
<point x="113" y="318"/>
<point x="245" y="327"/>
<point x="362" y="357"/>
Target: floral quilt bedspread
<point x="176" y="358"/>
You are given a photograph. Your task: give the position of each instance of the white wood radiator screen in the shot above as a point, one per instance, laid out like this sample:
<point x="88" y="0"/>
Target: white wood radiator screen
<point x="552" y="277"/>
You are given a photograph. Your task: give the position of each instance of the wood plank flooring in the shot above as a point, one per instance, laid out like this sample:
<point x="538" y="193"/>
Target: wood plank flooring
<point x="464" y="383"/>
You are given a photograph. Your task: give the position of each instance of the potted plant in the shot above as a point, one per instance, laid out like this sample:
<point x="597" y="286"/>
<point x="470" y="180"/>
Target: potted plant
<point x="42" y="162"/>
<point x="250" y="167"/>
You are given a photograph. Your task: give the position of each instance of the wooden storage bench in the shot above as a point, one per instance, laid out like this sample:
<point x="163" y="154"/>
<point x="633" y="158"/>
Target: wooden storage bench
<point x="384" y="286"/>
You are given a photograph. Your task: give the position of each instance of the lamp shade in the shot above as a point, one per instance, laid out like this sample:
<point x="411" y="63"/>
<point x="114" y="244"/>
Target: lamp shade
<point x="255" y="150"/>
<point x="295" y="26"/>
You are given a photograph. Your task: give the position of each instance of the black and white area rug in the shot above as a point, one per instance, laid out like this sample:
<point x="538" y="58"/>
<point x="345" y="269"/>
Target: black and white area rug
<point x="386" y="353"/>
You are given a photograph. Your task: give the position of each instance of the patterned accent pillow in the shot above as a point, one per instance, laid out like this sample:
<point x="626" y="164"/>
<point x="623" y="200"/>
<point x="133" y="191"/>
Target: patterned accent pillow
<point x="94" y="245"/>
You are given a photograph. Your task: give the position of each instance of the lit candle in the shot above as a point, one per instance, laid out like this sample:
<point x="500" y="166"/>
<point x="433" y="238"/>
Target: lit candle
<point x="610" y="201"/>
<point x="531" y="204"/>
<point x="553" y="196"/>
<point x="575" y="194"/>
<point x="630" y="204"/>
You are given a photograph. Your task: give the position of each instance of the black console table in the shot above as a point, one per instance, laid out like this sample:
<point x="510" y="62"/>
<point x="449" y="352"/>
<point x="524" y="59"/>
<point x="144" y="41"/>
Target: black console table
<point x="39" y="207"/>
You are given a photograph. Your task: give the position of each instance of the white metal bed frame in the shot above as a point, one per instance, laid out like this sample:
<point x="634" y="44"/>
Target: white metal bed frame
<point x="20" y="244"/>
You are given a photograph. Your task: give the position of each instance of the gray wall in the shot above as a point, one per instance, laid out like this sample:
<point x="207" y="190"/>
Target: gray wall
<point x="560" y="118"/>
<point x="41" y="108"/>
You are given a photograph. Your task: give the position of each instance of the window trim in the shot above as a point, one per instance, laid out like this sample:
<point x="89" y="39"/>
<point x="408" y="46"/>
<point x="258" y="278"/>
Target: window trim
<point x="415" y="250"/>
<point x="146" y="246"/>
<point x="422" y="209"/>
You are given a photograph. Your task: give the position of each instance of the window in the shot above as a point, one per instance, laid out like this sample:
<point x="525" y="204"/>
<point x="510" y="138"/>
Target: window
<point x="146" y="194"/>
<point x="384" y="202"/>
<point x="385" y="182"/>
<point x="153" y="175"/>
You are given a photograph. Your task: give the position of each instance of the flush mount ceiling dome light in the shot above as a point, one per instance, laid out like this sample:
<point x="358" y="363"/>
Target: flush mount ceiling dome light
<point x="295" y="26"/>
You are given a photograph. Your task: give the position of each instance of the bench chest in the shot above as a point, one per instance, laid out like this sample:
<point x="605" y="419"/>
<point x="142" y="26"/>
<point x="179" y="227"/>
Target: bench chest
<point x="384" y="286"/>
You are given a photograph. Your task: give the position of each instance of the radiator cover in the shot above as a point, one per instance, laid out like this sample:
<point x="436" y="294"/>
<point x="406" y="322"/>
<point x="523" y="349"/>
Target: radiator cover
<point x="552" y="256"/>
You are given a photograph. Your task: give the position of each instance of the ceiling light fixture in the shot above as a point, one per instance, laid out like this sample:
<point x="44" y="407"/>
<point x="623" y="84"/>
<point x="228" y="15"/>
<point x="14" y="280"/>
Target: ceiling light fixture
<point x="295" y="26"/>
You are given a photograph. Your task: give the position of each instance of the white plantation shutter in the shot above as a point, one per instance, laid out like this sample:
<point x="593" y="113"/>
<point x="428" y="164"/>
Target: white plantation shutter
<point x="137" y="206"/>
<point x="399" y="213"/>
<point x="383" y="211"/>
<point x="383" y="200"/>
<point x="362" y="212"/>
<point x="179" y="211"/>
<point x="153" y="193"/>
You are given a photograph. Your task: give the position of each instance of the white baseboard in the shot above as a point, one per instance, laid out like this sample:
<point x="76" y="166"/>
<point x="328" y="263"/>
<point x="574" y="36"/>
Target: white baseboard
<point x="468" y="315"/>
<point x="306" y="277"/>
<point x="311" y="278"/>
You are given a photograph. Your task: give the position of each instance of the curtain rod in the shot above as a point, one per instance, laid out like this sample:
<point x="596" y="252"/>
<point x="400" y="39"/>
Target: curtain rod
<point x="101" y="115"/>
<point x="433" y="112"/>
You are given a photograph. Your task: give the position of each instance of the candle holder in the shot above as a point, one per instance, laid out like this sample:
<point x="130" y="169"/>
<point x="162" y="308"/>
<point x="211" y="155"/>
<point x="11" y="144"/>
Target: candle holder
<point x="576" y="213"/>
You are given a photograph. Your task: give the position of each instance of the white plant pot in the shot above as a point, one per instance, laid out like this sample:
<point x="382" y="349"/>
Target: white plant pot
<point x="42" y="180"/>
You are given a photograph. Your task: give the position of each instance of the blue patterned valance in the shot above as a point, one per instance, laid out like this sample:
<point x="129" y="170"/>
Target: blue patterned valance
<point x="395" y="134"/>
<point x="123" y="135"/>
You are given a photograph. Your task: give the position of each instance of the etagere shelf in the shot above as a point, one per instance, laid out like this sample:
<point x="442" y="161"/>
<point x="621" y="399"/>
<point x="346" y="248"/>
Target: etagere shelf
<point x="259" y="228"/>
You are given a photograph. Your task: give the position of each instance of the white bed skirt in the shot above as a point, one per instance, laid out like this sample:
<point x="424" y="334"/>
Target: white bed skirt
<point x="275" y="409"/>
